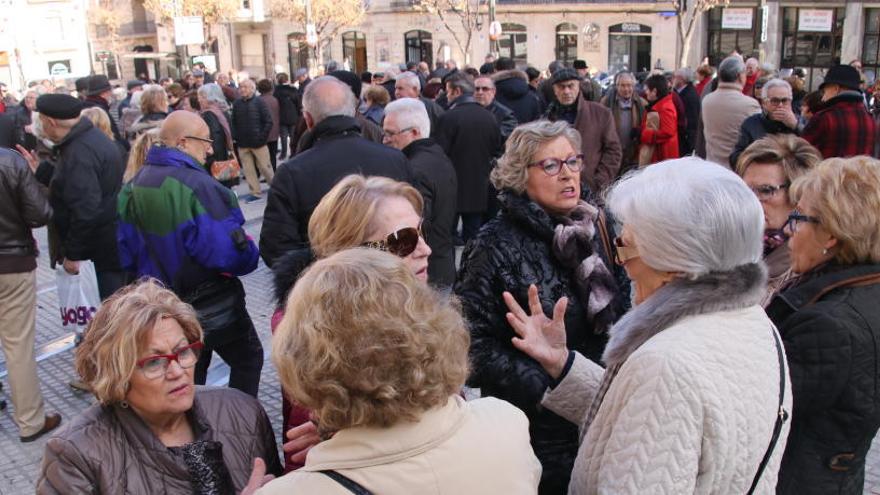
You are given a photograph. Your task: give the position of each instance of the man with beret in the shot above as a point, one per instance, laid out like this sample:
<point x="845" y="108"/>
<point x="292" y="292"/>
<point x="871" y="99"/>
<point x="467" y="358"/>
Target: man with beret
<point x="133" y="87"/>
<point x="594" y="122"/>
<point x="99" y="94"/>
<point x="844" y="127"/>
<point x="83" y="183"/>
<point x="589" y="87"/>
<point x="82" y="87"/>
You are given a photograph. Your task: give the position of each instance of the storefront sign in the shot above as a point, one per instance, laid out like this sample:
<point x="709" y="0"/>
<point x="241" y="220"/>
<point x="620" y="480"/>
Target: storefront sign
<point x="736" y="19"/>
<point x="59" y="67"/>
<point x="817" y="21"/>
<point x="631" y="27"/>
<point x="765" y="20"/>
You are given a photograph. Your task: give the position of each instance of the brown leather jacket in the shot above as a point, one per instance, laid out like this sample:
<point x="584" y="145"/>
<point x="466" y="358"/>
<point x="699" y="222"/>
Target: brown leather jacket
<point x="109" y="449"/>
<point x="23" y="206"/>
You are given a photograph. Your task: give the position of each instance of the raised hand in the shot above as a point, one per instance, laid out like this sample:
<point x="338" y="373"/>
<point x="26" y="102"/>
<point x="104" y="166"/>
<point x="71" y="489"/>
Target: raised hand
<point x="31" y="157"/>
<point x="543" y="339"/>
<point x="301" y="439"/>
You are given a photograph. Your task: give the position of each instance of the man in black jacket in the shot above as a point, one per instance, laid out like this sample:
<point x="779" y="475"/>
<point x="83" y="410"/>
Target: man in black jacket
<point x="100" y="93"/>
<point x="290" y="109"/>
<point x="484" y="94"/>
<point x="683" y="83"/>
<point x="336" y="149"/>
<point x="251" y="123"/>
<point x="513" y="91"/>
<point x="470" y="136"/>
<point x="83" y="189"/>
<point x="407" y="127"/>
<point x="23" y="207"/>
<point x="777" y="117"/>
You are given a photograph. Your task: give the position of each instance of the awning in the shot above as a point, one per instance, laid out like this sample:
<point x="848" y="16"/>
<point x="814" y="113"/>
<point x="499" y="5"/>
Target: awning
<point x="153" y="55"/>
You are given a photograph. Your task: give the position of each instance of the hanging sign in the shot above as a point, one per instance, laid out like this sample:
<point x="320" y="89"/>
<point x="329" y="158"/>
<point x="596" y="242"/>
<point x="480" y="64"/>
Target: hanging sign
<point x="736" y="18"/>
<point x="816" y="21"/>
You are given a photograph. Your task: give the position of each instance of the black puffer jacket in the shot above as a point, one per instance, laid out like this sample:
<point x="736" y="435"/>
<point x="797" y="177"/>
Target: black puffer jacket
<point x="512" y="90"/>
<point x="510" y="252"/>
<point x="754" y="128"/>
<point x="833" y="351"/>
<point x="251" y="122"/>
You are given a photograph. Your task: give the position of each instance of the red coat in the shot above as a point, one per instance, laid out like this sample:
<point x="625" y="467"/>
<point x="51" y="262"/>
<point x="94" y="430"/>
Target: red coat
<point x="665" y="139"/>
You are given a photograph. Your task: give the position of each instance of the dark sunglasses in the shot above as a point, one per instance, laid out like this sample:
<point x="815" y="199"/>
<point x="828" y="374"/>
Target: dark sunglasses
<point x="552" y="166"/>
<point x="796" y="217"/>
<point x="400" y="243"/>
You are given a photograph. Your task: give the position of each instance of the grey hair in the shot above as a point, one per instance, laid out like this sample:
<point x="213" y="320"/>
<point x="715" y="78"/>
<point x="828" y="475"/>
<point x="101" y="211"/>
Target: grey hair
<point x="685" y="73"/>
<point x="411" y="79"/>
<point x="730" y="69"/>
<point x="775" y="83"/>
<point x="690" y="216"/>
<point x="250" y="82"/>
<point x="410" y="112"/>
<point x="327" y="96"/>
<point x="214" y="94"/>
<point x="511" y="171"/>
<point x="624" y="75"/>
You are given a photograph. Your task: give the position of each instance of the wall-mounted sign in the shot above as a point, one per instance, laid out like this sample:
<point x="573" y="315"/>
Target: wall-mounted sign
<point x="59" y="67"/>
<point x="188" y="30"/>
<point x="736" y="18"/>
<point x="765" y="21"/>
<point x="817" y="21"/>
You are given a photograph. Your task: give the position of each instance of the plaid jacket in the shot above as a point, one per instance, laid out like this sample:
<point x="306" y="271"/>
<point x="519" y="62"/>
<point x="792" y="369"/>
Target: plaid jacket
<point x="844" y="128"/>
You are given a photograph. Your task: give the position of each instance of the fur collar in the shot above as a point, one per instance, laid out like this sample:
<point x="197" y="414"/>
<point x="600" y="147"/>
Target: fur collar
<point x="716" y="291"/>
<point x="510" y="74"/>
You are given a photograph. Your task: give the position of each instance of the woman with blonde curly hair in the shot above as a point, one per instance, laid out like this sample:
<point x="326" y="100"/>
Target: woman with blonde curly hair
<point x="153" y="430"/>
<point x="829" y="321"/>
<point x="379" y="358"/>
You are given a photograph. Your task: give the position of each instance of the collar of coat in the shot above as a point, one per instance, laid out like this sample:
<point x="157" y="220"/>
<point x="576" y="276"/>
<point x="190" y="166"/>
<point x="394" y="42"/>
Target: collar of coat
<point x="738" y="288"/>
<point x="166" y="156"/>
<point x="419" y="144"/>
<point x="337" y="125"/>
<point x="811" y="286"/>
<point x="77" y="130"/>
<point x="847" y="96"/>
<point x="527" y="214"/>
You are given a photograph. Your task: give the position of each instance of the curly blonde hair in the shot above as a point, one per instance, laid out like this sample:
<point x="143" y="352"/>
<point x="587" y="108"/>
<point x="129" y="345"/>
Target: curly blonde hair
<point x="346" y="215"/>
<point x="365" y="343"/>
<point x="120" y="331"/>
<point x="512" y="170"/>
<point x="153" y="99"/>
<point x="845" y="194"/>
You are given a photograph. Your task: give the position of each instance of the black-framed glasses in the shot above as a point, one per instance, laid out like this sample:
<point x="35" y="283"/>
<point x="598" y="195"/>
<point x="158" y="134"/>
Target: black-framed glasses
<point x="766" y="191"/>
<point x="779" y="101"/>
<point x="552" y="166"/>
<point x="623" y="253"/>
<point x="401" y="243"/>
<point x="155" y="366"/>
<point x="796" y="217"/>
<point x="478" y="89"/>
<point x="391" y="134"/>
<point x="204" y="140"/>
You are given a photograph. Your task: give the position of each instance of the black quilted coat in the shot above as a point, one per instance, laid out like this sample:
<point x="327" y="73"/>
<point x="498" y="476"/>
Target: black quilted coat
<point x="833" y="351"/>
<point x="510" y="252"/>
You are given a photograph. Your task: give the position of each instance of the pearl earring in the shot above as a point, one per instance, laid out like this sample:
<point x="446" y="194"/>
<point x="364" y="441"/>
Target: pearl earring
<point x="824" y="252"/>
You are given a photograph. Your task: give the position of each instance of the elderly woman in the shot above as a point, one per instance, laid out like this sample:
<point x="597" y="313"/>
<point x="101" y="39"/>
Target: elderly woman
<point x="376" y="97"/>
<point x="545" y="234"/>
<point x="153" y="431"/>
<point x="695" y="391"/>
<point x="215" y="112"/>
<point x="830" y="324"/>
<point x="154" y="109"/>
<point x="769" y="166"/>
<point x="359" y="211"/>
<point x="379" y="357"/>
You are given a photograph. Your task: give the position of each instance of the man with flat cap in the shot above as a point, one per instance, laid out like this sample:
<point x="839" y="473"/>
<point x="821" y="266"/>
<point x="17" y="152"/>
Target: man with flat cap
<point x="84" y="177"/>
<point x="843" y="127"/>
<point x="594" y="122"/>
<point x="99" y="94"/>
<point x="589" y="87"/>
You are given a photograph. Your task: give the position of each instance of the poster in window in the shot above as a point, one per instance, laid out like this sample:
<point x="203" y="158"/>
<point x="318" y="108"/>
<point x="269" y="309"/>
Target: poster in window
<point x="736" y="19"/>
<point x="383" y="54"/>
<point x="816" y="21"/>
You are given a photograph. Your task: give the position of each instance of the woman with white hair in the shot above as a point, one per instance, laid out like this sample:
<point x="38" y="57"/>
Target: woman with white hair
<point x="215" y="113"/>
<point x="695" y="391"/>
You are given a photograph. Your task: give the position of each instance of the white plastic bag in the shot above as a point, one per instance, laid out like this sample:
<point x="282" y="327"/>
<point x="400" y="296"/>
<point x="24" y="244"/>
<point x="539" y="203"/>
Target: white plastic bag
<point x="78" y="296"/>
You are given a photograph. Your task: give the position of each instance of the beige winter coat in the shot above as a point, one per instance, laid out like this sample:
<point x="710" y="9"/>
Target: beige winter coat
<point x="692" y="410"/>
<point x="462" y="448"/>
<point x="724" y="111"/>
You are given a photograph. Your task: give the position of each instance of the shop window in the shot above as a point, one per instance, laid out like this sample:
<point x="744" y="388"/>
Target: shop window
<point x="513" y="43"/>
<point x="566" y="42"/>
<point x="811" y="45"/>
<point x="354" y="50"/>
<point x="724" y="41"/>
<point x="418" y="47"/>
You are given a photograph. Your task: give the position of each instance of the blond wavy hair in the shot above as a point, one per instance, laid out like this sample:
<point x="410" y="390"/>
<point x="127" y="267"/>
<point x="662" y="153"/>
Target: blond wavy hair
<point x="365" y="343"/>
<point x="845" y="195"/>
<point x="346" y="215"/>
<point x="120" y="331"/>
<point x="153" y="99"/>
<point x="99" y="119"/>
<point x="512" y="170"/>
<point x="795" y="155"/>
<point x="138" y="154"/>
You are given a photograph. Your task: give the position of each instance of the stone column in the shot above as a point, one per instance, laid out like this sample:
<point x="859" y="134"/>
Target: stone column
<point x="771" y="50"/>
<point x="853" y="32"/>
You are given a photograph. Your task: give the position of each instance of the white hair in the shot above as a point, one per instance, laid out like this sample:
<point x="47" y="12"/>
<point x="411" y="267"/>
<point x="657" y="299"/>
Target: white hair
<point x="686" y="73"/>
<point x="327" y="96"/>
<point x="775" y="83"/>
<point x="135" y="101"/>
<point x="690" y="216"/>
<point x="411" y="79"/>
<point x="410" y="112"/>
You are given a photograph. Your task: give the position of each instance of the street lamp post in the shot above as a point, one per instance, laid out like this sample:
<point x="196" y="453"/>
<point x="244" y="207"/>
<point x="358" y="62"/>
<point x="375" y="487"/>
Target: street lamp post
<point x="493" y="40"/>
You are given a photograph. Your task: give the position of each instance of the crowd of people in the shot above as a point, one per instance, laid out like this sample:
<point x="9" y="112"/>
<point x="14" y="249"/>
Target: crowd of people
<point x="665" y="286"/>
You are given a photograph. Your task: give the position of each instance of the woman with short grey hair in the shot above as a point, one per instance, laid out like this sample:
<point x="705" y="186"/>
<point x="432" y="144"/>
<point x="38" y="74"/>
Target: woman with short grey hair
<point x="215" y="112"/>
<point x="547" y="233"/>
<point x="695" y="392"/>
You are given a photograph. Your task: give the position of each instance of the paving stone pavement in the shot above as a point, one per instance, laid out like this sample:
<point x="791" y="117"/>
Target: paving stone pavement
<point x="20" y="463"/>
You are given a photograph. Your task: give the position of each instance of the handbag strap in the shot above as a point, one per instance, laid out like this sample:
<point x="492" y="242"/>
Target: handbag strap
<point x="781" y="416"/>
<point x="346" y="482"/>
<point x="602" y="221"/>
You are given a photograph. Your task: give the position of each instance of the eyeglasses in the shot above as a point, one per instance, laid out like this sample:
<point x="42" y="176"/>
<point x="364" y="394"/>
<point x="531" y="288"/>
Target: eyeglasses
<point x="391" y="134"/>
<point x="204" y="140"/>
<point x="766" y="191"/>
<point x="478" y="89"/>
<point x="400" y="243"/>
<point x="623" y="253"/>
<point x="779" y="101"/>
<point x="552" y="166"/>
<point x="796" y="217"/>
<point x="155" y="366"/>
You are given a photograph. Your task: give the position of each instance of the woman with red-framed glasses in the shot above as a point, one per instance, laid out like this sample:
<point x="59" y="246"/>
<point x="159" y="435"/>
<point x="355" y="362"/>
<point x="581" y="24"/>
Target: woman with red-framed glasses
<point x="153" y="430"/>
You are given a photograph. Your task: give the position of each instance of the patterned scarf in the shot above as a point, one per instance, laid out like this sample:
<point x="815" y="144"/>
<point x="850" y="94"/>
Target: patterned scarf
<point x="773" y="238"/>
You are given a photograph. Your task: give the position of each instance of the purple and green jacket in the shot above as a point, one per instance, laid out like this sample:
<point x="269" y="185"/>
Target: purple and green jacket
<point x="179" y="225"/>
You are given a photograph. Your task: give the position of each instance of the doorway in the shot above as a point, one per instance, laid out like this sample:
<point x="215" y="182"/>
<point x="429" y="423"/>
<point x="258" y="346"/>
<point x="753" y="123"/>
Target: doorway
<point x="629" y="48"/>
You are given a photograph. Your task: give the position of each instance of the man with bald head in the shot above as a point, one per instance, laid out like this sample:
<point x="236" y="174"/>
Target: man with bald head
<point x="179" y="225"/>
<point x="337" y="149"/>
